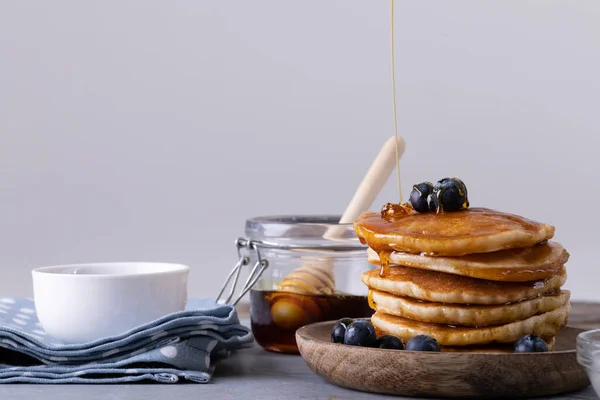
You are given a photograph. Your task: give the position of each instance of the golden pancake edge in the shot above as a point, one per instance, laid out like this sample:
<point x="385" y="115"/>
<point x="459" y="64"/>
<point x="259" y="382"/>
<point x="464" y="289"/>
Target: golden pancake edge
<point x="514" y="265"/>
<point x="446" y="288"/>
<point x="544" y="325"/>
<point x="474" y="230"/>
<point x="466" y="315"/>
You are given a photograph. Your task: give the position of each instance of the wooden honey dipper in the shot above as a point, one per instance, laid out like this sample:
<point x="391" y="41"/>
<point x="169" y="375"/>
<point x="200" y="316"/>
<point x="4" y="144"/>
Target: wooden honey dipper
<point x="316" y="277"/>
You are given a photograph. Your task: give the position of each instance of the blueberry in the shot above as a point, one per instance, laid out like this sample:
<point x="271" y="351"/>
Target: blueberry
<point x="339" y="330"/>
<point x="419" y="197"/>
<point x="530" y="344"/>
<point x="360" y="333"/>
<point x="449" y="194"/>
<point x="389" y="342"/>
<point x="422" y="343"/>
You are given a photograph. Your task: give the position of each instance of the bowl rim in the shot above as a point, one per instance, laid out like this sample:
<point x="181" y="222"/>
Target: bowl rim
<point x="62" y="270"/>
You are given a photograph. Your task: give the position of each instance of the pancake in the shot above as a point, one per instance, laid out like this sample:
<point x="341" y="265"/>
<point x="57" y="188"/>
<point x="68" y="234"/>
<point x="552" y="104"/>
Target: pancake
<point x="514" y="265"/>
<point x="446" y="288"/>
<point x="466" y="315"/>
<point x="544" y="325"/>
<point x="474" y="230"/>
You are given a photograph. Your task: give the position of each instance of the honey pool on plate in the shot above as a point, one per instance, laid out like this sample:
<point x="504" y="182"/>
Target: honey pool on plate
<point x="276" y="315"/>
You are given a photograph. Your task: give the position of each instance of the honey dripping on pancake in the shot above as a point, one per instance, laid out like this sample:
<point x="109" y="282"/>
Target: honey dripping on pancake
<point x="384" y="260"/>
<point x="372" y="303"/>
<point x="389" y="212"/>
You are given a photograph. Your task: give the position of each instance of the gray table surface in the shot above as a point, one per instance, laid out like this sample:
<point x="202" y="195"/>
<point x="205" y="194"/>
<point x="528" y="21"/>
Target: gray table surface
<point x="248" y="374"/>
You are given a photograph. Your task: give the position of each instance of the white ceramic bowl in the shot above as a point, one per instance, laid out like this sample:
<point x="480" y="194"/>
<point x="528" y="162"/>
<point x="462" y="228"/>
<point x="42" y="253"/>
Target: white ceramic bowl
<point x="588" y="355"/>
<point x="84" y="302"/>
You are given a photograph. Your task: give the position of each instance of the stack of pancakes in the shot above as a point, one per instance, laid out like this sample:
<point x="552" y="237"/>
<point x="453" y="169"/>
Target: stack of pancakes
<point x="472" y="279"/>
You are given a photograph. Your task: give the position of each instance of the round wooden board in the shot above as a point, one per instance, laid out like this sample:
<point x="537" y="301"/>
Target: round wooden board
<point x="446" y="374"/>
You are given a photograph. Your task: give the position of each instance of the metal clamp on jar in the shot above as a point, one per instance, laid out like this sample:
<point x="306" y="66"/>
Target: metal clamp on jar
<point x="305" y="269"/>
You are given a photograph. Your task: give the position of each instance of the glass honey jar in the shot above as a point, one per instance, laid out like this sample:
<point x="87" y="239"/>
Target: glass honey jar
<point x="303" y="269"/>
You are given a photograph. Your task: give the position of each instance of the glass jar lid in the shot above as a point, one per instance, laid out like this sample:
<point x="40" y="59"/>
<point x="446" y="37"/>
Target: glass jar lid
<point x="309" y="232"/>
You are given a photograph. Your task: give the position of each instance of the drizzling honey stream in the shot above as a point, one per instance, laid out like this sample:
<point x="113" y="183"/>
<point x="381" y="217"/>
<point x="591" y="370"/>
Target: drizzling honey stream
<point x="395" y="115"/>
<point x="384" y="257"/>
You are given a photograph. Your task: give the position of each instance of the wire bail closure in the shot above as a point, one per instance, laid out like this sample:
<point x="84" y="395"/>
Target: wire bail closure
<point x="244" y="247"/>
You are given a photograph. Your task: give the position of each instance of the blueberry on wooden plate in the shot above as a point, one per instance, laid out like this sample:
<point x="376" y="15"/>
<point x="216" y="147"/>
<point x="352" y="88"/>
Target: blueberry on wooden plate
<point x="419" y="197"/>
<point x="389" y="342"/>
<point x="530" y="344"/>
<point x="423" y="343"/>
<point x="360" y="333"/>
<point x="449" y="194"/>
<point x="339" y="330"/>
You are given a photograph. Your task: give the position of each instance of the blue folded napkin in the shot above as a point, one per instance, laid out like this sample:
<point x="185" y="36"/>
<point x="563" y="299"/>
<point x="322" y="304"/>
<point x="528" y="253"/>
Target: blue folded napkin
<point x="182" y="345"/>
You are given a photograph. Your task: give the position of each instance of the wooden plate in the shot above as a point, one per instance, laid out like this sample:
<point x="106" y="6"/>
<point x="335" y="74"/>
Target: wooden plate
<point x="423" y="374"/>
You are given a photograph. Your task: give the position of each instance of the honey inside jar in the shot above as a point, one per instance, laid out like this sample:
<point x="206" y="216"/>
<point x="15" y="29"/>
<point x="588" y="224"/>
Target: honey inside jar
<point x="276" y="315"/>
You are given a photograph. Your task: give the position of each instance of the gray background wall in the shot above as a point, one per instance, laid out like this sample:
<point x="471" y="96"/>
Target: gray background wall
<point x="149" y="130"/>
